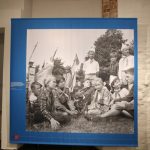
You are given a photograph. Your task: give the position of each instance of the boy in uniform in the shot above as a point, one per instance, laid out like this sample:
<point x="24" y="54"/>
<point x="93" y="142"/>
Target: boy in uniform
<point x="125" y="103"/>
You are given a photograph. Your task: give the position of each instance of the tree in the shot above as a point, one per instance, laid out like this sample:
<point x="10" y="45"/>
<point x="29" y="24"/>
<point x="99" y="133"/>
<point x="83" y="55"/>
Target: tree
<point x="131" y="47"/>
<point x="111" y="41"/>
<point x="58" y="69"/>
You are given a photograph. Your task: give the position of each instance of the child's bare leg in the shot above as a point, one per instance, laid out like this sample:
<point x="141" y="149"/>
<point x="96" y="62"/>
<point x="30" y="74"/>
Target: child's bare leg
<point x="112" y="112"/>
<point x="127" y="114"/>
<point x="92" y="113"/>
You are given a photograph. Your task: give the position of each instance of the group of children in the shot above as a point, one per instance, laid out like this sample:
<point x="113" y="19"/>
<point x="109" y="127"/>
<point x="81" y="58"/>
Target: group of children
<point x="56" y="104"/>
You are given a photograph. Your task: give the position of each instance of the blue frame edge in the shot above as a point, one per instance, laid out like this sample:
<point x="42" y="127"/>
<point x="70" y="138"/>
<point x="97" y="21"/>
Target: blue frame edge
<point x="18" y="74"/>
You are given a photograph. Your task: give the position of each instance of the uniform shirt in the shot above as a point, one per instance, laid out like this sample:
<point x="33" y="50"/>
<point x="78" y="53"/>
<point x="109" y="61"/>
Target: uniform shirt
<point x="100" y="98"/>
<point x="113" y="69"/>
<point x="103" y="96"/>
<point x="47" y="103"/>
<point x="124" y="63"/>
<point x="120" y="93"/>
<point x="85" y="94"/>
<point x="83" y="97"/>
<point x="44" y="104"/>
<point x="129" y="97"/>
<point x="91" y="66"/>
<point x="63" y="100"/>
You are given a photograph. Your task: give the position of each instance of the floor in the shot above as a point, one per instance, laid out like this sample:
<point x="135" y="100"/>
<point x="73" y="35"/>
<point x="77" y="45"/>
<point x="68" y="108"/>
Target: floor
<point x="49" y="147"/>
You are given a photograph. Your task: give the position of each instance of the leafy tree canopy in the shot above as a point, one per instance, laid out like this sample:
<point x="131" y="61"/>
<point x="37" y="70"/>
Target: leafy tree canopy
<point x="111" y="41"/>
<point x="131" y="47"/>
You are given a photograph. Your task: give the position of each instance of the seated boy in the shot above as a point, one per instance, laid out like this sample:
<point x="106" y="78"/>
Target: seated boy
<point x="125" y="103"/>
<point x="117" y="90"/>
<point x="45" y="109"/>
<point x="63" y="95"/>
<point x="33" y="110"/>
<point x="83" y="96"/>
<point x="100" y="100"/>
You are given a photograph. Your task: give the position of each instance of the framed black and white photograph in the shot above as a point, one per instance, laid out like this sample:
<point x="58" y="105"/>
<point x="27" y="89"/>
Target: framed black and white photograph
<point x="74" y="81"/>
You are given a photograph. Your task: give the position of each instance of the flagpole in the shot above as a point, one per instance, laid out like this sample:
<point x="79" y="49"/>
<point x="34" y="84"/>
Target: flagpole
<point x="33" y="51"/>
<point x="75" y="63"/>
<point x="28" y="88"/>
<point x="54" y="54"/>
<point x="74" y="60"/>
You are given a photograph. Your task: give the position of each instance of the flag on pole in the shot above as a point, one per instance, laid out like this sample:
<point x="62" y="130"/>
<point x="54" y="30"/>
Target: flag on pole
<point x="76" y="60"/>
<point x="46" y="71"/>
<point x="74" y="70"/>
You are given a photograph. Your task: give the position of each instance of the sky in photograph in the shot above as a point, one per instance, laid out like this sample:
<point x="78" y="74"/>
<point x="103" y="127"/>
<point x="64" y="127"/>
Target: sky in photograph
<point x="68" y="43"/>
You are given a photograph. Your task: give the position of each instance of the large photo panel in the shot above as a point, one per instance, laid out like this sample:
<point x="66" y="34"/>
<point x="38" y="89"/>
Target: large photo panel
<point x="74" y="81"/>
<point x="75" y="77"/>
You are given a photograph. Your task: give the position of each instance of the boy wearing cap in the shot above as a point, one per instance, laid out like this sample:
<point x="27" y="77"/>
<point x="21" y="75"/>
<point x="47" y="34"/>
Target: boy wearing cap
<point x="126" y="61"/>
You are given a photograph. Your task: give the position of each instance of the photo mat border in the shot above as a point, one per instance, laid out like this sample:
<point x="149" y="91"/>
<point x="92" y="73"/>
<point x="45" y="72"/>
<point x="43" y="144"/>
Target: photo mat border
<point x="18" y="133"/>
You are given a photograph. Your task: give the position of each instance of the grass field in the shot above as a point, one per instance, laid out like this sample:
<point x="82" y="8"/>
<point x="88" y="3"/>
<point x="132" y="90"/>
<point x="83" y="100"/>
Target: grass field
<point x="118" y="124"/>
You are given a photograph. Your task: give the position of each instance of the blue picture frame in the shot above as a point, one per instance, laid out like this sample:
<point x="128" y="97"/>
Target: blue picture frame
<point x="18" y="133"/>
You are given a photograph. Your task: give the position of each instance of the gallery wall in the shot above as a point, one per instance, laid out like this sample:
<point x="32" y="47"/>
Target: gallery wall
<point x="140" y="9"/>
<point x="36" y="8"/>
<point x="81" y="8"/>
<point x="8" y="9"/>
<point x="66" y="8"/>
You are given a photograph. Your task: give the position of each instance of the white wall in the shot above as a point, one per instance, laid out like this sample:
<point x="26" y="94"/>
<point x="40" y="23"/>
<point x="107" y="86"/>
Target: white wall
<point x="11" y="4"/>
<point x="79" y="8"/>
<point x="9" y="9"/>
<point x="66" y="8"/>
<point x="141" y="9"/>
<point x="27" y="10"/>
<point x="135" y="8"/>
<point x="5" y="16"/>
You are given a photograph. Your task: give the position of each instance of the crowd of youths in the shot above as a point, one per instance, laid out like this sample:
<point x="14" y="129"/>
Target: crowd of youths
<point x="56" y="104"/>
